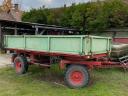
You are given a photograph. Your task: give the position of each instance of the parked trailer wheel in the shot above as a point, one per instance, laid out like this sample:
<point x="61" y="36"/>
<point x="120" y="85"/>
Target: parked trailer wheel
<point x="77" y="76"/>
<point x="21" y="65"/>
<point x="13" y="58"/>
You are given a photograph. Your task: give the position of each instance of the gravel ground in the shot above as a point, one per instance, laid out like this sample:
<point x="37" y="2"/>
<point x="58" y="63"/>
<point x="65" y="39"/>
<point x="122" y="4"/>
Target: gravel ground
<point x="5" y="60"/>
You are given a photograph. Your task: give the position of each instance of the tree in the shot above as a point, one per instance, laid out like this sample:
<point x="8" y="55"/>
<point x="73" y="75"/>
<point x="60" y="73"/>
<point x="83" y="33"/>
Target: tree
<point x="36" y="16"/>
<point x="92" y="16"/>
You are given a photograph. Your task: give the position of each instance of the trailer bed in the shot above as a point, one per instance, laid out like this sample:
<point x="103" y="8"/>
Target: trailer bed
<point x="76" y="44"/>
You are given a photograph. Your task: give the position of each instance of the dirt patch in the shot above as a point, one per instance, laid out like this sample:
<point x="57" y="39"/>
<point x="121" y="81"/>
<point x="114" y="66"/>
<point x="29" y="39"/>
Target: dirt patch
<point x="5" y="60"/>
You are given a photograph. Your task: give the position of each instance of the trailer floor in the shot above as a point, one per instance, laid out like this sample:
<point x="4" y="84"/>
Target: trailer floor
<point x="49" y="82"/>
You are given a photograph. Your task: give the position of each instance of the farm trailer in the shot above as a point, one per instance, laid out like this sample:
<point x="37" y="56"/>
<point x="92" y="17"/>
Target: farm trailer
<point x="75" y="54"/>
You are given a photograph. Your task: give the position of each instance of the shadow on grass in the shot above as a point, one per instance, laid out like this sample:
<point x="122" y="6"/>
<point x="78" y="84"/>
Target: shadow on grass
<point x="50" y="75"/>
<point x="56" y="76"/>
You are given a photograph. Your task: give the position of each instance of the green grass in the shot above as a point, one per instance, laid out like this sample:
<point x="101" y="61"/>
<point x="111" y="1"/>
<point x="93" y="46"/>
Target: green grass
<point x="40" y="82"/>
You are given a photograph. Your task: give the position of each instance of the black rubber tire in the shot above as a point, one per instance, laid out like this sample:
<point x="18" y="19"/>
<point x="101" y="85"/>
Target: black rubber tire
<point x="13" y="56"/>
<point x="24" y="65"/>
<point x="85" y="74"/>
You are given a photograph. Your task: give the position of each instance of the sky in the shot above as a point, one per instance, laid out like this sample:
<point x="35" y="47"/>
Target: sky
<point x="28" y="4"/>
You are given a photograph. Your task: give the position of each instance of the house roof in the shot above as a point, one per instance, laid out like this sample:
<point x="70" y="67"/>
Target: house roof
<point x="6" y="16"/>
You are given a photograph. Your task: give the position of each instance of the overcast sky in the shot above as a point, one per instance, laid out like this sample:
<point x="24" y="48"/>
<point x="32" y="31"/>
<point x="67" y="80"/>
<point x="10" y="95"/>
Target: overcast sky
<point x="28" y="4"/>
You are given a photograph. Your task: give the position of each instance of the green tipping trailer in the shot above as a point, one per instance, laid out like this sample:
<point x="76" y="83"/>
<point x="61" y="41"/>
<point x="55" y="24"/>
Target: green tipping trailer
<point x="82" y="45"/>
<point x="75" y="54"/>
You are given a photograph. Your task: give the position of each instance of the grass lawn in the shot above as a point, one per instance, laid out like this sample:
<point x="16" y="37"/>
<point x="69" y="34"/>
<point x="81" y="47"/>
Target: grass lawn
<point x="41" y="82"/>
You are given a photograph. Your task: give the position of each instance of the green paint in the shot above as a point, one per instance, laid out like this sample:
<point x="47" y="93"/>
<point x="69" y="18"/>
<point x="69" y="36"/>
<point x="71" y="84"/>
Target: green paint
<point x="75" y="44"/>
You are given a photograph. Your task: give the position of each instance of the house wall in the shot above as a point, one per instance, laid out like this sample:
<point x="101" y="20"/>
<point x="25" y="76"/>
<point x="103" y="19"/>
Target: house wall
<point x="118" y="35"/>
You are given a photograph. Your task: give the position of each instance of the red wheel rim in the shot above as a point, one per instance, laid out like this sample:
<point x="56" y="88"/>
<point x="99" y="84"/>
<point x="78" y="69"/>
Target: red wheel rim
<point x="18" y="66"/>
<point x="76" y="77"/>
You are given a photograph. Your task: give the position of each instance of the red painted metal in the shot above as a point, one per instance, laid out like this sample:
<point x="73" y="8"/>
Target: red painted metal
<point x="54" y="33"/>
<point x="89" y="61"/>
<point x="110" y="63"/>
<point x="79" y="57"/>
<point x="121" y="40"/>
<point x="92" y="64"/>
<point x="18" y="66"/>
<point x="89" y="64"/>
<point x="76" y="77"/>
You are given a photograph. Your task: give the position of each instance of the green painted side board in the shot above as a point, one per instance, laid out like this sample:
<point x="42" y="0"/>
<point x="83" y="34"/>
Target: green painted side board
<point x="74" y="44"/>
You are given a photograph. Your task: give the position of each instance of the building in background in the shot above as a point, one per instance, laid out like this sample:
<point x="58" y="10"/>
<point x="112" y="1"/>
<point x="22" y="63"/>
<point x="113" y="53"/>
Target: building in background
<point x="10" y="11"/>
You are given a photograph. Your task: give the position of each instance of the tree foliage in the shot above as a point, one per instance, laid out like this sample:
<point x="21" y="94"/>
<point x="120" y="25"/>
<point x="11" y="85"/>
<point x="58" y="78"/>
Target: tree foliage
<point x="87" y="16"/>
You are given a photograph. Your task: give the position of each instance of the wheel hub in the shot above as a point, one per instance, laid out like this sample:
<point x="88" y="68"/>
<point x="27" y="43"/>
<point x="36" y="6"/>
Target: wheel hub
<point x="76" y="77"/>
<point x="18" y="66"/>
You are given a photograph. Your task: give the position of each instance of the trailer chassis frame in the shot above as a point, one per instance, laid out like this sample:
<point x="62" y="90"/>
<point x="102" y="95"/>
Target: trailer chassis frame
<point x="91" y="62"/>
